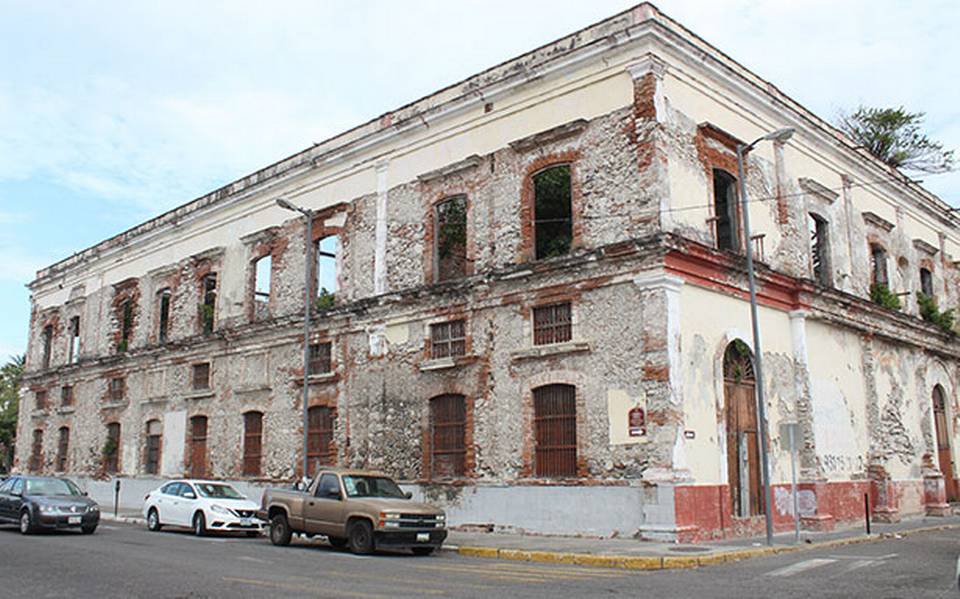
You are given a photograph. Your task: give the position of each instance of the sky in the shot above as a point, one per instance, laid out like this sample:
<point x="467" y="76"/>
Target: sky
<point x="113" y="112"/>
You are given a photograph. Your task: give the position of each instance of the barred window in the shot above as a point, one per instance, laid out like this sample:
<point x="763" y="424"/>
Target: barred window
<point x="252" y="443"/>
<point x="320" y="426"/>
<point x="40" y="399"/>
<point x="448" y="426"/>
<point x="555" y="423"/>
<point x="448" y="339"/>
<point x="320" y="358"/>
<point x="552" y="324"/>
<point x="154" y="438"/>
<point x="201" y="376"/>
<point x="198" y="447"/>
<point x="118" y="389"/>
<point x="63" y="447"/>
<point x="66" y="396"/>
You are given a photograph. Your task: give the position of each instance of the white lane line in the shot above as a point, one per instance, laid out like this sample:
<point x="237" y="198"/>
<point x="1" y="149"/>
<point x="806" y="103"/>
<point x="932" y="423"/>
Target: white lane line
<point x="105" y="527"/>
<point x="868" y="557"/>
<point x="861" y="563"/>
<point x="257" y="560"/>
<point x="801" y="567"/>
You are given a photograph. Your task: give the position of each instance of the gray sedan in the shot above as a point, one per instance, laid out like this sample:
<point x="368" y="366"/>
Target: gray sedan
<point x="39" y="502"/>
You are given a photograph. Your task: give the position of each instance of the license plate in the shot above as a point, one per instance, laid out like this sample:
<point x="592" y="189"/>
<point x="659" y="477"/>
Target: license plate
<point x="423" y="537"/>
<point x="246" y="521"/>
<point x="73" y="519"/>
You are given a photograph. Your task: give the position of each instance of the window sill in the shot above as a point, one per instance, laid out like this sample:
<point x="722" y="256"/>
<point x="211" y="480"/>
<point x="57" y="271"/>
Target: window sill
<point x="154" y="400"/>
<point x="199" y="394"/>
<point x="445" y="363"/>
<point x="543" y="351"/>
<point x="40" y="413"/>
<point x="66" y="410"/>
<point x="109" y="405"/>
<point x="318" y="379"/>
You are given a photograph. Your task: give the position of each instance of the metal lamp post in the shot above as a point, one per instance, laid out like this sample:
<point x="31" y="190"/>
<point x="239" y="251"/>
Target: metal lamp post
<point x="781" y="135"/>
<point x="307" y="238"/>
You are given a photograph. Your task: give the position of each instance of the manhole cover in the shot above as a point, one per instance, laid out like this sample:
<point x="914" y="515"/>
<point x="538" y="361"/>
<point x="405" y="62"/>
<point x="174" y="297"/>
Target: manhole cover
<point x="690" y="549"/>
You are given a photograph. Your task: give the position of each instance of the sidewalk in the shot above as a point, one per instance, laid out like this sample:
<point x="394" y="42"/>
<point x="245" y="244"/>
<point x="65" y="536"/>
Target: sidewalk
<point x="648" y="555"/>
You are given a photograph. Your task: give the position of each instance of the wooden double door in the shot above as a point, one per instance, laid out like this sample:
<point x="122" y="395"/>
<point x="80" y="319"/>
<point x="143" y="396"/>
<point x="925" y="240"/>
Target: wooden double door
<point x="743" y="453"/>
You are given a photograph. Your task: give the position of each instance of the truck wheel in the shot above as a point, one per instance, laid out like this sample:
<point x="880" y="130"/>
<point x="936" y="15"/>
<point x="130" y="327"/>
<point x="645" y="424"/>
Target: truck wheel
<point x="279" y="530"/>
<point x="199" y="525"/>
<point x="338" y="542"/>
<point x="361" y="537"/>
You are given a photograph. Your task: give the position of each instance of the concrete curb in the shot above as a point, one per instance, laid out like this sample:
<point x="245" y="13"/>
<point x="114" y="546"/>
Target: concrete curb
<point x="673" y="562"/>
<point x="109" y="517"/>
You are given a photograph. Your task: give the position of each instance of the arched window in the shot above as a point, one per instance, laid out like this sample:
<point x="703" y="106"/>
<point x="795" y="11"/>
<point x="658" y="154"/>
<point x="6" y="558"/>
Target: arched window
<point x="320" y="427"/>
<point x="555" y="427"/>
<point x="252" y="443"/>
<point x="448" y="450"/>
<point x="743" y="453"/>
<point x="725" y="212"/>
<point x="198" y="447"/>
<point x="154" y="438"/>
<point x="553" y="211"/>
<point x="63" y="448"/>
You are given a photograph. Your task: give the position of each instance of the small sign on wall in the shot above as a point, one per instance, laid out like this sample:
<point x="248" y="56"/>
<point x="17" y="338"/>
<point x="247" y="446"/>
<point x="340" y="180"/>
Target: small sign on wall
<point x="637" y="420"/>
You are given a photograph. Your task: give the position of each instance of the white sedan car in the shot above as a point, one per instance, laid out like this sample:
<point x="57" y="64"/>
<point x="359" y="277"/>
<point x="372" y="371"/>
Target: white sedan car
<point x="205" y="506"/>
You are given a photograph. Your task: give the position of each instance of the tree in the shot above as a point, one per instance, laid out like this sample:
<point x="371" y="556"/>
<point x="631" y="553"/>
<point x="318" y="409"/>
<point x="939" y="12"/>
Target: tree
<point x="10" y="374"/>
<point x="893" y="135"/>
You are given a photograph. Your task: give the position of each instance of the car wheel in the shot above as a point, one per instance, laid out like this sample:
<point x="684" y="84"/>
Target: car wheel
<point x="199" y="525"/>
<point x="422" y="550"/>
<point x="360" y="537"/>
<point x="280" y="530"/>
<point x="338" y="542"/>
<point x="26" y="523"/>
<point x="153" y="520"/>
<point x="88" y="530"/>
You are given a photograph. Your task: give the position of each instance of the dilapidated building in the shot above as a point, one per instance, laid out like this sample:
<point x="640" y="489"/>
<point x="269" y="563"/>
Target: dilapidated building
<point x="529" y="304"/>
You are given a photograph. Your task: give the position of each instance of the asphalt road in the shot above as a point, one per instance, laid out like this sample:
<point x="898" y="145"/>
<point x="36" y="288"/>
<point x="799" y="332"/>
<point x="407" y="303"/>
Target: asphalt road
<point x="127" y="561"/>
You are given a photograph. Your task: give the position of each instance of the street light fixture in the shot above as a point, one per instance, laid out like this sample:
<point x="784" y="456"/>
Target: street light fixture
<point x="307" y="237"/>
<point x="778" y="136"/>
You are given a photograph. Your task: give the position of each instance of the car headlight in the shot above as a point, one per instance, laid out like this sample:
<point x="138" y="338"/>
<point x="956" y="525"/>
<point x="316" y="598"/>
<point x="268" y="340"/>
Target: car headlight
<point x="47" y="509"/>
<point x="94" y="508"/>
<point x="220" y="510"/>
<point x="389" y="516"/>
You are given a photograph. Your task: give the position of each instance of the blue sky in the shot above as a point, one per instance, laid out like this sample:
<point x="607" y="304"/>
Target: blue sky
<point x="112" y="112"/>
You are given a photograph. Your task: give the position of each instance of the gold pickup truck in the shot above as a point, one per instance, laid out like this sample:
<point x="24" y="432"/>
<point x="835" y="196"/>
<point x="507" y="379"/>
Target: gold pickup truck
<point x="360" y="509"/>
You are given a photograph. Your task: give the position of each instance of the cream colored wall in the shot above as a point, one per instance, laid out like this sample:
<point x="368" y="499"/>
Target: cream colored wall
<point x="708" y="322"/>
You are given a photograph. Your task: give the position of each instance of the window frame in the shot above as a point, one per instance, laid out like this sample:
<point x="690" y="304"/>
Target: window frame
<point x="111" y="461"/>
<point x="63" y="449"/>
<point x="820" y="263"/>
<point x="117" y="389"/>
<point x="545" y="441"/>
<point x="47" y="356"/>
<point x="201" y="384"/>
<point x="550" y="331"/>
<point x="878" y="267"/>
<point x="439" y="273"/>
<point x="321" y="440"/>
<point x="444" y="344"/>
<point x="66" y="396"/>
<point x="73" y="348"/>
<point x="252" y="453"/>
<point x="537" y="222"/>
<point x="36" y="451"/>
<point x="732" y="218"/>
<point x="926" y="282"/>
<point x="322" y="356"/>
<point x="445" y="432"/>
<point x="198" y="470"/>
<point x="164" y="302"/>
<point x="152" y="455"/>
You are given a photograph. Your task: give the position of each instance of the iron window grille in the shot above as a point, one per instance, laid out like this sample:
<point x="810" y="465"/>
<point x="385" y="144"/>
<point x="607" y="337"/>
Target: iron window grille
<point x="320" y="358"/>
<point x="555" y="423"/>
<point x="448" y="339"/>
<point x="552" y="324"/>
<point x="448" y="429"/>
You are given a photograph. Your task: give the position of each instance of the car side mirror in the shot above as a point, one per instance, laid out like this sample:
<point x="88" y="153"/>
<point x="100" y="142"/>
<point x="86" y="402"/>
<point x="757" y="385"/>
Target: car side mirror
<point x="189" y="496"/>
<point x="298" y="486"/>
<point x="408" y="495"/>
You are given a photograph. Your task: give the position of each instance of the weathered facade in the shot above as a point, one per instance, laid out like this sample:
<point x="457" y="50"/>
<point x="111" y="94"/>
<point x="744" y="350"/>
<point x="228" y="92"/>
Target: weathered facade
<point x="530" y="306"/>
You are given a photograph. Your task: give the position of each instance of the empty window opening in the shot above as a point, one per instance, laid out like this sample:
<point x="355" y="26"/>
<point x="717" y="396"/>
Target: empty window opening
<point x="448" y="339"/>
<point x="198" y="447"/>
<point x="819" y="249"/>
<point x="126" y="325"/>
<point x="63" y="448"/>
<point x="553" y="212"/>
<point x="447" y="434"/>
<point x="320" y="425"/>
<point x="320" y="358"/>
<point x="40" y="399"/>
<point x="152" y="449"/>
<point x="47" y="345"/>
<point x="164" y="322"/>
<point x="327" y="282"/>
<point x="926" y="282"/>
<point x="555" y="424"/>
<point x="878" y="266"/>
<point x="552" y="324"/>
<point x="36" y="451"/>
<point x="118" y="389"/>
<point x="263" y="270"/>
<point x="66" y="396"/>
<point x="252" y="443"/>
<point x="201" y="376"/>
<point x="208" y="304"/>
<point x="74" y="349"/>
<point x="111" y="449"/>
<point x="725" y="213"/>
<point x="450" y="222"/>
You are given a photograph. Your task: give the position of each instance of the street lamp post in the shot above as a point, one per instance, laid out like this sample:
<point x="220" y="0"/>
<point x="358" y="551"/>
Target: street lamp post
<point x="781" y="135"/>
<point x="307" y="239"/>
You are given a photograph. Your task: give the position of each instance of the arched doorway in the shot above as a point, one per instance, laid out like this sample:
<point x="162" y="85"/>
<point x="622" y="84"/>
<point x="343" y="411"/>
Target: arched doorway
<point x="944" y="455"/>
<point x="743" y="454"/>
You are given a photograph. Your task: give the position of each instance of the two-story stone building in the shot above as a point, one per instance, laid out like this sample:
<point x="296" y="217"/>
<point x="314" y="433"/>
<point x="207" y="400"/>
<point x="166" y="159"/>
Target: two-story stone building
<point x="530" y="305"/>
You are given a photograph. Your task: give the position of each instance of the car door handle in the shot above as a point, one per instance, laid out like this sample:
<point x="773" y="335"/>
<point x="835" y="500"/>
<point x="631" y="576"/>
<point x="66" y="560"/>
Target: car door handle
<point x="310" y="503"/>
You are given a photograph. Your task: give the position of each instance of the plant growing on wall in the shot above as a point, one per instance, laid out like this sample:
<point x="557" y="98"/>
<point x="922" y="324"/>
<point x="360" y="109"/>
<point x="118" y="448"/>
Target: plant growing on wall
<point x="893" y="135"/>
<point x="932" y="314"/>
<point x="109" y="447"/>
<point x="881" y="295"/>
<point x="9" y="404"/>
<point x="122" y="346"/>
<point x="206" y="318"/>
<point x="325" y="299"/>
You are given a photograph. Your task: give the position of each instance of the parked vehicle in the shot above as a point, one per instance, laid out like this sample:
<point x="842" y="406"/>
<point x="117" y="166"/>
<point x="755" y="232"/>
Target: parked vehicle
<point x="355" y="508"/>
<point x="40" y="502"/>
<point x="205" y="506"/>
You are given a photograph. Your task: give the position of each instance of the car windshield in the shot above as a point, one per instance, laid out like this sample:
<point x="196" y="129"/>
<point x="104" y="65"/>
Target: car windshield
<point x="218" y="491"/>
<point x="371" y="486"/>
<point x="51" y="486"/>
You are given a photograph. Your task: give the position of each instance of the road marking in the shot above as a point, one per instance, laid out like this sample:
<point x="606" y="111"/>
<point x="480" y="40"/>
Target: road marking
<point x="520" y="573"/>
<point x="574" y="570"/>
<point x="801" y="567"/>
<point x="311" y="589"/>
<point x="861" y="563"/>
<point x="871" y="557"/>
<point x="104" y="526"/>
<point x="247" y="558"/>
